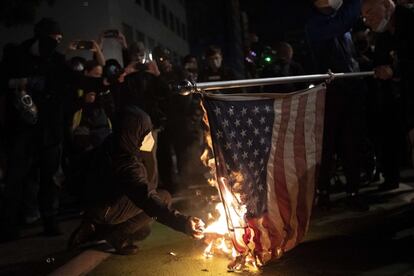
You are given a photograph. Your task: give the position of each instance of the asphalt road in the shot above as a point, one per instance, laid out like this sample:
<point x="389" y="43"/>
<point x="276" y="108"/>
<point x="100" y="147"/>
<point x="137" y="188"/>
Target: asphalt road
<point x="339" y="242"/>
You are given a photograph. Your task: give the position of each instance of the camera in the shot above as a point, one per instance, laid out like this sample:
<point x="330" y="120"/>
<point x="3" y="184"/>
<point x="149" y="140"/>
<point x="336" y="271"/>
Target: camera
<point x="84" y="45"/>
<point x="141" y="66"/>
<point x="111" y="33"/>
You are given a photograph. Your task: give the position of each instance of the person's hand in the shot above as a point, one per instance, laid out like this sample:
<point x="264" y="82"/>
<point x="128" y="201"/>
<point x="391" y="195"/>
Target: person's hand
<point x="153" y="68"/>
<point x="100" y="39"/>
<point x="72" y="45"/>
<point x="95" y="47"/>
<point x="384" y="72"/>
<point x="195" y="228"/>
<point x="122" y="40"/>
<point x="130" y="69"/>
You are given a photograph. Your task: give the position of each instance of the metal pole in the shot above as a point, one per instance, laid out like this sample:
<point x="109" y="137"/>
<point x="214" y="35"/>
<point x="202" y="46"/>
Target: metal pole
<point x="188" y="87"/>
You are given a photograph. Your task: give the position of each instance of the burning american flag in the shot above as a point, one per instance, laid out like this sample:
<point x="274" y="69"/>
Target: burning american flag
<point x="267" y="149"/>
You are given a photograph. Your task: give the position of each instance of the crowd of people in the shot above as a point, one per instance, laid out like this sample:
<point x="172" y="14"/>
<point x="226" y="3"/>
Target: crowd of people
<point x="124" y="141"/>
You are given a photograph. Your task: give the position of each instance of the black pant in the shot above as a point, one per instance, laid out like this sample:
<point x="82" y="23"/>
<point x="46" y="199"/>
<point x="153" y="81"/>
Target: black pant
<point x="386" y="129"/>
<point x="342" y="131"/>
<point x="25" y="161"/>
<point x="123" y="216"/>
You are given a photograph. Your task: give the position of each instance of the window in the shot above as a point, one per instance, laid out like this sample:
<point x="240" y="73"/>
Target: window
<point x="157" y="9"/>
<point x="172" y="21"/>
<point x="138" y="2"/>
<point x="164" y="15"/>
<point x="177" y="26"/>
<point x="148" y="6"/>
<point x="183" y="31"/>
<point x="140" y="36"/>
<point x="128" y="32"/>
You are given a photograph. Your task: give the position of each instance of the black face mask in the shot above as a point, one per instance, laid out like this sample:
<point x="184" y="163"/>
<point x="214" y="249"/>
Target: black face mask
<point x="47" y="45"/>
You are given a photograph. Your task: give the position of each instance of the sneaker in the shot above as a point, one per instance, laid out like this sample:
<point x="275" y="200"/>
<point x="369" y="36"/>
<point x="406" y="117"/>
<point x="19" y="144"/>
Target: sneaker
<point x="355" y="203"/>
<point x="122" y="245"/>
<point x="128" y="249"/>
<point x="83" y="234"/>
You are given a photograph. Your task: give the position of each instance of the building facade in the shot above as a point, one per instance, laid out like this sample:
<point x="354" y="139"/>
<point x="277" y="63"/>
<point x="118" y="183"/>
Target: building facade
<point x="217" y="22"/>
<point x="154" y="22"/>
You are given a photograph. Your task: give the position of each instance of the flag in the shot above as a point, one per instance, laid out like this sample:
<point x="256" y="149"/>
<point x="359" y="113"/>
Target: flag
<point x="267" y="149"/>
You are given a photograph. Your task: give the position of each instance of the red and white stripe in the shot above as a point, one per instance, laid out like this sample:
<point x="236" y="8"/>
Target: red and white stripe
<point x="291" y="171"/>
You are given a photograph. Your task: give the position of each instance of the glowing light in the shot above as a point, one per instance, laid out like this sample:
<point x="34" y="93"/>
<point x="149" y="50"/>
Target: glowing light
<point x="228" y="226"/>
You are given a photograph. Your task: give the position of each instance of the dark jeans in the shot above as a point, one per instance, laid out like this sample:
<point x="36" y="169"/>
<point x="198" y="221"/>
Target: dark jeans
<point x="123" y="216"/>
<point x="387" y="130"/>
<point x="342" y="135"/>
<point x="27" y="161"/>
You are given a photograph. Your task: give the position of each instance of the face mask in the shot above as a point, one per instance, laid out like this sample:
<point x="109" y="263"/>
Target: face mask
<point x="215" y="63"/>
<point x="382" y="25"/>
<point x="335" y="4"/>
<point x="78" y="67"/>
<point x="328" y="6"/>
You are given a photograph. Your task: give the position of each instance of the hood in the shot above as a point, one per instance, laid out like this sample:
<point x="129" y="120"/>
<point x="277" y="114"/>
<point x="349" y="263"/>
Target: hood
<point x="133" y="125"/>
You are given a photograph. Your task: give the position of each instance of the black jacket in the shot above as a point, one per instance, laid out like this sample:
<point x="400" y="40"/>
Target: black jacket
<point x="401" y="42"/>
<point x="48" y="79"/>
<point x="329" y="39"/>
<point x="147" y="92"/>
<point x="118" y="170"/>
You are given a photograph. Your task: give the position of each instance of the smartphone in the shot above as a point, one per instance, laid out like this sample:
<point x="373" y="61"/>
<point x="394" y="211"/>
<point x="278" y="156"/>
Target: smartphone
<point x="111" y="33"/>
<point x="84" y="45"/>
<point x="147" y="57"/>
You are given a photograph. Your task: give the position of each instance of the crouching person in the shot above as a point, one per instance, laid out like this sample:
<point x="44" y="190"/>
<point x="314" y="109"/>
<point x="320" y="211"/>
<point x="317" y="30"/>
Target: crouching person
<point x="120" y="201"/>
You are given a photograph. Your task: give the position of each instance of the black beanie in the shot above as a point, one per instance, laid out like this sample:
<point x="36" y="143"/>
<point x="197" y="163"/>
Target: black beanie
<point x="46" y="26"/>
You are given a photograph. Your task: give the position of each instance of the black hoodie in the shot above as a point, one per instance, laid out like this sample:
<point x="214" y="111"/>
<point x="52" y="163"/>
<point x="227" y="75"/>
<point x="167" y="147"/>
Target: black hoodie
<point x="121" y="171"/>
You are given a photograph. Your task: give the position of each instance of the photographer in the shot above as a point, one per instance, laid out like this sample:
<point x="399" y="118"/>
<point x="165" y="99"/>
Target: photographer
<point x="88" y="45"/>
<point x="138" y="59"/>
<point x="91" y="123"/>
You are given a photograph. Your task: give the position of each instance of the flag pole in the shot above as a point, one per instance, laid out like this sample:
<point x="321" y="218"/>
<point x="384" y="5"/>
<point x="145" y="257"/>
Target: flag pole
<point x="188" y="87"/>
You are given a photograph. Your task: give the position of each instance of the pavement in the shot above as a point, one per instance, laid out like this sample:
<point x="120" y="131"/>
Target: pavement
<point x="339" y="242"/>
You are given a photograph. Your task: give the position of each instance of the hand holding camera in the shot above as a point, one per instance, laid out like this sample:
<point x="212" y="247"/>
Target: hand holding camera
<point x="89" y="45"/>
<point x="113" y="34"/>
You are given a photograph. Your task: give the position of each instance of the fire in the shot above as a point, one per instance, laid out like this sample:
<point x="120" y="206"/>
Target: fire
<point x="228" y="227"/>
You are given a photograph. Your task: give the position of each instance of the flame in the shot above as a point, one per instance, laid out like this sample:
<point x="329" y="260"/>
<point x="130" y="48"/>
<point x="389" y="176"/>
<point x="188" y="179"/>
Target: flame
<point x="229" y="226"/>
<point x="219" y="226"/>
